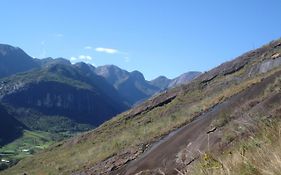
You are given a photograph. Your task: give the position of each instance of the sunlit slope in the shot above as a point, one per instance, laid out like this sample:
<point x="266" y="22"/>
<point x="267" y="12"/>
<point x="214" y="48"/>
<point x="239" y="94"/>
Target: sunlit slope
<point x="128" y="135"/>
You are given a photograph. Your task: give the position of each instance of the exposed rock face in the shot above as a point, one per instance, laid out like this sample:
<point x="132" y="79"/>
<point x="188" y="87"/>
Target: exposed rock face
<point x="53" y="98"/>
<point x="258" y="61"/>
<point x="113" y="163"/>
<point x="269" y="64"/>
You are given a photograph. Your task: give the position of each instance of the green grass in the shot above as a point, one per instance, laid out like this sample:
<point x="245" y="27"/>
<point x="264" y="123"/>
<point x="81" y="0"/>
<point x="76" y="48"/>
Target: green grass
<point x="31" y="142"/>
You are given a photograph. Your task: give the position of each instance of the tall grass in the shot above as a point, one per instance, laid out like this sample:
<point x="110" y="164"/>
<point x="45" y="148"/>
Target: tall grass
<point x="260" y="154"/>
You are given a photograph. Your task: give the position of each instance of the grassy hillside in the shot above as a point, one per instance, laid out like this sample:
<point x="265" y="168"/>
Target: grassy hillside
<point x="128" y="135"/>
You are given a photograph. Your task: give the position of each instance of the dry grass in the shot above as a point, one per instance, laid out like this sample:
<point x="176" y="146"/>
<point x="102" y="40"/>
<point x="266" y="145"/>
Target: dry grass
<point x="259" y="154"/>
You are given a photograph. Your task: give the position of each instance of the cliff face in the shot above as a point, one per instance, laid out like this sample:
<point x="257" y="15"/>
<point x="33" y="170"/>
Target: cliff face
<point x="54" y="98"/>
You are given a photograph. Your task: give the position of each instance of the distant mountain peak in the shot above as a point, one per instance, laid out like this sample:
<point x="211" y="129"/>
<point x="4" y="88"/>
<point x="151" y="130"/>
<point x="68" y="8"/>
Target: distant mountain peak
<point x="14" y="60"/>
<point x="184" y="78"/>
<point x="6" y="49"/>
<point x="137" y="75"/>
<point x="164" y="83"/>
<point x="161" y="82"/>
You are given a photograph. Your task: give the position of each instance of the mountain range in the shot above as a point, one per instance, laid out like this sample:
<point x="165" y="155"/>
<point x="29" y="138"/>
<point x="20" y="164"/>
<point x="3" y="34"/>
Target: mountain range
<point x="64" y="97"/>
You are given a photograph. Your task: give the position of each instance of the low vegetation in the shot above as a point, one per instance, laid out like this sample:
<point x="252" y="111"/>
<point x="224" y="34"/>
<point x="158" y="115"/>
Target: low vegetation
<point x="30" y="143"/>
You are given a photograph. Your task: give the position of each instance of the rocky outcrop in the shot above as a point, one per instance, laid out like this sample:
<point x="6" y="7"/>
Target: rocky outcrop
<point x="166" y="98"/>
<point x="113" y="163"/>
<point x="255" y="62"/>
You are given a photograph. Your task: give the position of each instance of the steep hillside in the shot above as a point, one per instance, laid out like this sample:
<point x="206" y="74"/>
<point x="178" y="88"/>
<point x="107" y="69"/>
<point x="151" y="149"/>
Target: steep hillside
<point x="173" y="130"/>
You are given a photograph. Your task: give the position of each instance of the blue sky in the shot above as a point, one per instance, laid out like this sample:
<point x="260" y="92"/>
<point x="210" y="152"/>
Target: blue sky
<point x="156" y="37"/>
